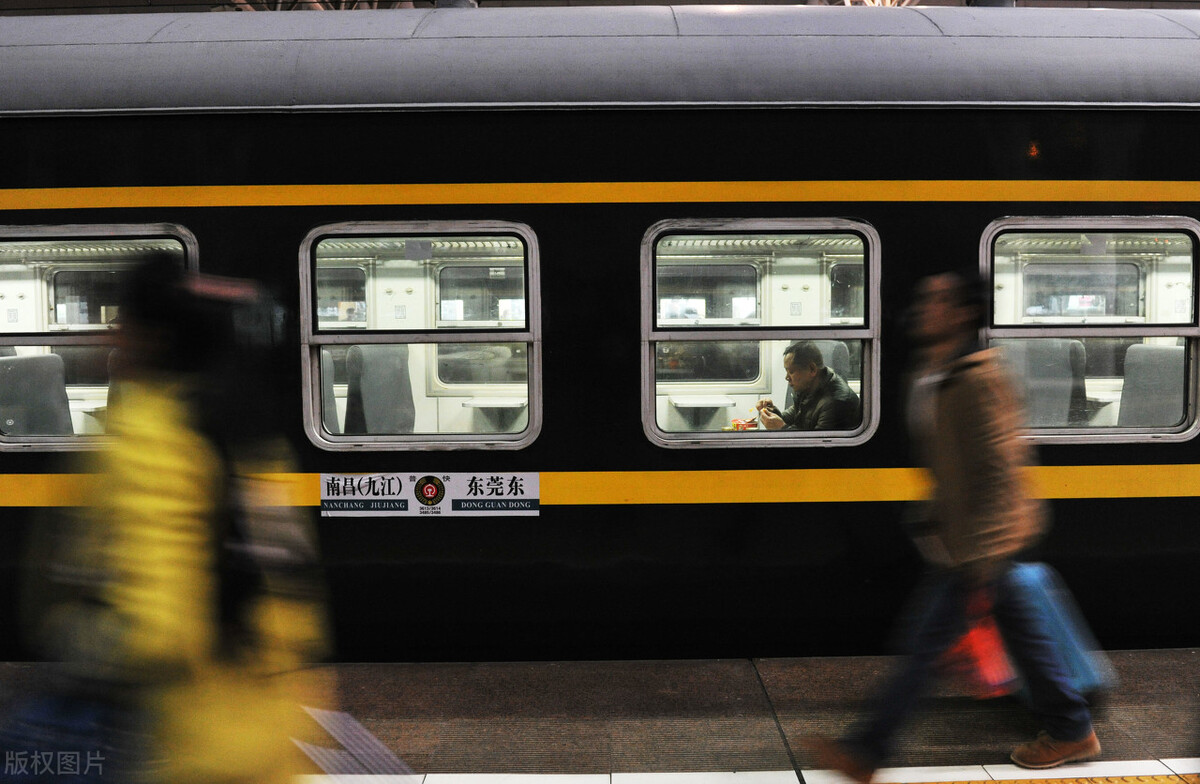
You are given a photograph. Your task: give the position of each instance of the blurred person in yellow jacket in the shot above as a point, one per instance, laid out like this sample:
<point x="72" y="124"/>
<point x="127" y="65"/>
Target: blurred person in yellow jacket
<point x="209" y="606"/>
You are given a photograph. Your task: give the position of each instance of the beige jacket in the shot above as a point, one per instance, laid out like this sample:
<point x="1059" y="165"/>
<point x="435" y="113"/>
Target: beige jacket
<point x="981" y="511"/>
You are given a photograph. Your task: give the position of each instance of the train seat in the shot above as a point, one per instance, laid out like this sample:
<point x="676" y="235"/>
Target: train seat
<point x="329" y="414"/>
<point x="379" y="396"/>
<point x="33" y="396"/>
<point x="836" y="356"/>
<point x="1053" y="371"/>
<point x="1153" y="392"/>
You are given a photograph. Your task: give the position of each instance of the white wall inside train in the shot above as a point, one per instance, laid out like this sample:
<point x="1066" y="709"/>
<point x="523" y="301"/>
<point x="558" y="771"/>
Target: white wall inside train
<point x="20" y="299"/>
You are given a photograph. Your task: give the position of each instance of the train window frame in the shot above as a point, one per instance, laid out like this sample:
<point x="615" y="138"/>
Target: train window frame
<point x="53" y="335"/>
<point x="867" y="332"/>
<point x="1109" y="327"/>
<point x="314" y="338"/>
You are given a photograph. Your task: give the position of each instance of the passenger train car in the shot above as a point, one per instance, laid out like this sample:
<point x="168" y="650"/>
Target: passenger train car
<point x="539" y="265"/>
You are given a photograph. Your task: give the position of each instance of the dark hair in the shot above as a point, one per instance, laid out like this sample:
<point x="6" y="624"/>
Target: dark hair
<point x="972" y="292"/>
<point x="975" y="294"/>
<point x="805" y="353"/>
<point x="968" y="289"/>
<point x="227" y="332"/>
<point x="155" y="299"/>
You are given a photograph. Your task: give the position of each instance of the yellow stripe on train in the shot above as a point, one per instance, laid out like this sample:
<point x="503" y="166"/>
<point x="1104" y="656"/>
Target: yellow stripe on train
<point x="601" y="193"/>
<point x="820" y="485"/>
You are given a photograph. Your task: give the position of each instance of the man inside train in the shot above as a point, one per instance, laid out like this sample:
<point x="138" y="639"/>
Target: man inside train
<point x="824" y="401"/>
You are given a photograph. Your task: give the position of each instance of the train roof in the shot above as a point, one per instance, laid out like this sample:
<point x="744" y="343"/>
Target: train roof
<point x="600" y="56"/>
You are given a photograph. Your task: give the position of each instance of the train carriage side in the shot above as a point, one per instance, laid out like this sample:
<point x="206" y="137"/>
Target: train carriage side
<point x="528" y="317"/>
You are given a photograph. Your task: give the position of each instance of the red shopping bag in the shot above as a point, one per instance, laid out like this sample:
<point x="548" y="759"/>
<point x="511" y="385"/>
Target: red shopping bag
<point x="978" y="659"/>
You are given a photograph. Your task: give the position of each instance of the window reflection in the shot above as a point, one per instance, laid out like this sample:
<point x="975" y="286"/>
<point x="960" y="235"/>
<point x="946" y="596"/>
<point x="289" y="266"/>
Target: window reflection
<point x="342" y="297"/>
<point x="483" y="363"/>
<point x="482" y="294"/>
<point x="846" y="291"/>
<point x="85" y="297"/>
<point x="705" y="294"/>
<point x="1083" y="291"/>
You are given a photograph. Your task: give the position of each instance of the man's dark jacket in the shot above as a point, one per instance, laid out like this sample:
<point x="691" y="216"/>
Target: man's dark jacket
<point x="830" y="405"/>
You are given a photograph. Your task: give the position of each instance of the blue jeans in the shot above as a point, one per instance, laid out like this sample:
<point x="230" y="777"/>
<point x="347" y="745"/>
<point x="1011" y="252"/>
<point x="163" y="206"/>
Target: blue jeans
<point x="939" y="618"/>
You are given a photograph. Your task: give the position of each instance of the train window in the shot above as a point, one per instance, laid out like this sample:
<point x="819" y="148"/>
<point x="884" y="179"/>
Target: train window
<point x="707" y="294"/>
<point x="1097" y="318"/>
<point x="846" y="291"/>
<point x="481" y="295"/>
<point x="83" y="298"/>
<point x="421" y="335"/>
<point x="723" y="303"/>
<point x="59" y="289"/>
<point x="342" y="297"/>
<point x="472" y="363"/>
<point x="708" y="360"/>
<point x="1082" y="291"/>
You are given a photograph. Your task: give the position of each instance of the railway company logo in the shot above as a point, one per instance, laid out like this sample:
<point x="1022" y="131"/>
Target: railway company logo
<point x="430" y="491"/>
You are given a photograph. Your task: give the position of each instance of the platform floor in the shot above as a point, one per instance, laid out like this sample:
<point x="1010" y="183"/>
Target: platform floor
<point x="607" y="721"/>
<point x="731" y="715"/>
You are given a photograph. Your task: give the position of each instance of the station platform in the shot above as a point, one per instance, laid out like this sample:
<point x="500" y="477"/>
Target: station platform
<point x="713" y="722"/>
<point x="621" y="719"/>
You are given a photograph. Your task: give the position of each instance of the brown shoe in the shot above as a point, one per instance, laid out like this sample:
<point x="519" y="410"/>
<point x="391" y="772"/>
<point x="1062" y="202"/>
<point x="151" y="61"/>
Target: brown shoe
<point x="831" y="755"/>
<point x="1046" y="752"/>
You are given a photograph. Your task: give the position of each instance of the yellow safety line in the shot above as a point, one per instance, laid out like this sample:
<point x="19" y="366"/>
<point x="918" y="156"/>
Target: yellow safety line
<point x="601" y="192"/>
<point x="815" y="485"/>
